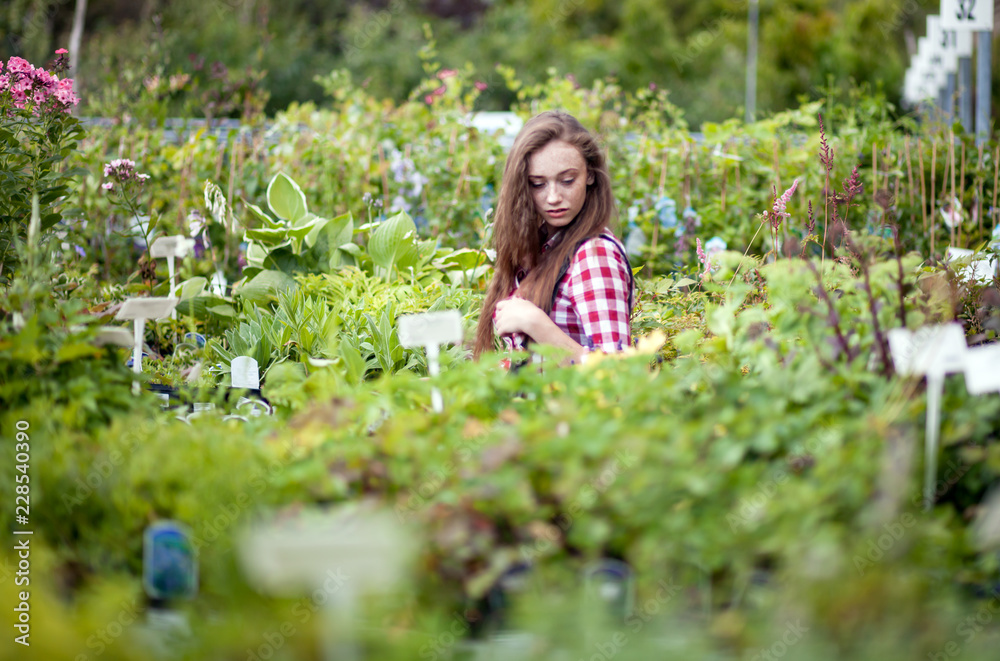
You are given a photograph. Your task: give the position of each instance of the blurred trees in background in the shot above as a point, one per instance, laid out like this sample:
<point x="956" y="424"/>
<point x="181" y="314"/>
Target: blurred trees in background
<point x="697" y="50"/>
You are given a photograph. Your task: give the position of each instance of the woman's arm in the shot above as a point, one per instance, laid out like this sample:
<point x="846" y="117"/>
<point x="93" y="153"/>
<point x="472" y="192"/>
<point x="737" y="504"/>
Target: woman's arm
<point x="517" y="315"/>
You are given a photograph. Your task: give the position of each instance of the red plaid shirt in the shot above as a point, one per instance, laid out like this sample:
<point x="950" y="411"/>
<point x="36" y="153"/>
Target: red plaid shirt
<point x="593" y="302"/>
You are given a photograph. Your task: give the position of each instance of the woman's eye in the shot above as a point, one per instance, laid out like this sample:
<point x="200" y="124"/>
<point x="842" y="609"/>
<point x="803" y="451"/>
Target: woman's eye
<point x="568" y="182"/>
<point x="537" y="184"/>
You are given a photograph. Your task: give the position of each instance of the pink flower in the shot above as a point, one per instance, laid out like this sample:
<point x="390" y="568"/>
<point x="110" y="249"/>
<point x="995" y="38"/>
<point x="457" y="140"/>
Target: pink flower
<point x="64" y="93"/>
<point x="446" y="73"/>
<point x="780" y="205"/>
<point x="61" y="51"/>
<point x="440" y="91"/>
<point x="703" y="258"/>
<point x="428" y="99"/>
<point x="123" y="171"/>
<point x="107" y="185"/>
<point x="481" y="86"/>
<point x="19" y="65"/>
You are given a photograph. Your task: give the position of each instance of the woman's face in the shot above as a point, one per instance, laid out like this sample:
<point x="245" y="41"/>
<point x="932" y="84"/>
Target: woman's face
<point x="558" y="179"/>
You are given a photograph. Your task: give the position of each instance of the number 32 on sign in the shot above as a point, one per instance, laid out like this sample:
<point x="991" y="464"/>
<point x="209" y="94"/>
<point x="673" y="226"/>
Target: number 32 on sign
<point x="967" y="14"/>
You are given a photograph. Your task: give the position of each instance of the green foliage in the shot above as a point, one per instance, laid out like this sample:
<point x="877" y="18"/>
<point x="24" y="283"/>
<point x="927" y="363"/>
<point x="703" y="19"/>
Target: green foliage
<point x="49" y="355"/>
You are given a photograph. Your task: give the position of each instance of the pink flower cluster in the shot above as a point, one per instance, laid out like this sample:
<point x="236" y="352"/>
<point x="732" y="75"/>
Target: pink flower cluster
<point x="780" y="205"/>
<point x="704" y="259"/>
<point x="122" y="171"/>
<point x="35" y="89"/>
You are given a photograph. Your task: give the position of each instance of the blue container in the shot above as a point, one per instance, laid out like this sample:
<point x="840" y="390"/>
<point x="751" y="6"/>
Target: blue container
<point x="169" y="565"/>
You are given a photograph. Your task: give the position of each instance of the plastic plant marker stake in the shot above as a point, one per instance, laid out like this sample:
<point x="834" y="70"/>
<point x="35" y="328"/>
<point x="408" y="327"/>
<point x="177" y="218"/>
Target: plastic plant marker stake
<point x="171" y="247"/>
<point x="173" y="284"/>
<point x="430" y="330"/>
<point x="343" y="552"/>
<point x="935" y="388"/>
<point x="138" y="332"/>
<point x="139" y="310"/>
<point x="932" y="351"/>
<point x="434" y="368"/>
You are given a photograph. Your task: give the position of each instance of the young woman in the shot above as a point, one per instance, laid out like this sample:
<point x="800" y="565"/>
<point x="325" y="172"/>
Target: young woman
<point x="561" y="276"/>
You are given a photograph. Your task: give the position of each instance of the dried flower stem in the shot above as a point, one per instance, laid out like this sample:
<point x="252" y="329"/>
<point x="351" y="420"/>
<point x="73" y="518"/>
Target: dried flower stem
<point x="933" y="197"/>
<point x="951" y="202"/>
<point x="979" y="190"/>
<point x="923" y="191"/>
<point x="961" y="183"/>
<point x="888" y="160"/>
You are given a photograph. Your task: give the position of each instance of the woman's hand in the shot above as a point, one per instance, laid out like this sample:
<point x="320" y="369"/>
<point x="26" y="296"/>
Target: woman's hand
<point x="517" y="315"/>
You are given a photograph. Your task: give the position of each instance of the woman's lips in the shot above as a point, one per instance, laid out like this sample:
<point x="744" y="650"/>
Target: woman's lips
<point x="556" y="213"/>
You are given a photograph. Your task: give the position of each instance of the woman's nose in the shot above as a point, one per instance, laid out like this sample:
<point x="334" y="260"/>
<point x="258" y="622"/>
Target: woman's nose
<point x="552" y="194"/>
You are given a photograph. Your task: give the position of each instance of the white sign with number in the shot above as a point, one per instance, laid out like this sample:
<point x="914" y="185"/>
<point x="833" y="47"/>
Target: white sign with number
<point x="932" y="75"/>
<point x="967" y="14"/>
<point x="953" y="42"/>
<point x="942" y="43"/>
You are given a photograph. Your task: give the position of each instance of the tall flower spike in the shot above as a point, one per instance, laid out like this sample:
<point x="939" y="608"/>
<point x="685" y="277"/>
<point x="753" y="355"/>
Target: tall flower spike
<point x="780" y="205"/>
<point x="703" y="258"/>
<point x="825" y="152"/>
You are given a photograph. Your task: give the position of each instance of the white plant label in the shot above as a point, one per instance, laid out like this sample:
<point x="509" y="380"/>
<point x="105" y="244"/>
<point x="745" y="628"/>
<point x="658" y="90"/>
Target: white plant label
<point x="171" y="246"/>
<point x="430" y="330"/>
<point x="982" y="369"/>
<point x="967" y="14"/>
<point x="245" y="373"/>
<point x="932" y="351"/>
<point x="146" y="308"/>
<point x="420" y="330"/>
<point x="928" y="350"/>
<point x="139" y="310"/>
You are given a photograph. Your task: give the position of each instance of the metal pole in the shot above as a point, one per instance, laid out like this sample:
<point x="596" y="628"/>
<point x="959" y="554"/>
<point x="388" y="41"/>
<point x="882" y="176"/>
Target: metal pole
<point x="753" y="24"/>
<point x="965" y="93"/>
<point x="949" y="98"/>
<point x="984" y="50"/>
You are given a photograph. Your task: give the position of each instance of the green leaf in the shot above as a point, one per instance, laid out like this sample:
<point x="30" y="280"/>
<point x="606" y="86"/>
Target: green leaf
<point x="263" y="217"/>
<point x="256" y="254"/>
<point x="352" y="249"/>
<point x="463" y="259"/>
<point x="286" y="199"/>
<point x="192" y="287"/>
<point x="224" y="310"/>
<point x="326" y="243"/>
<point x="393" y="243"/>
<point x="267" y="235"/>
<point x="264" y="286"/>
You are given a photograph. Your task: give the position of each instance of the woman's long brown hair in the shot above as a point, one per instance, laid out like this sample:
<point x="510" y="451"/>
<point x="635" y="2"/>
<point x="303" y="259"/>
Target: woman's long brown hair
<point x="518" y="229"/>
